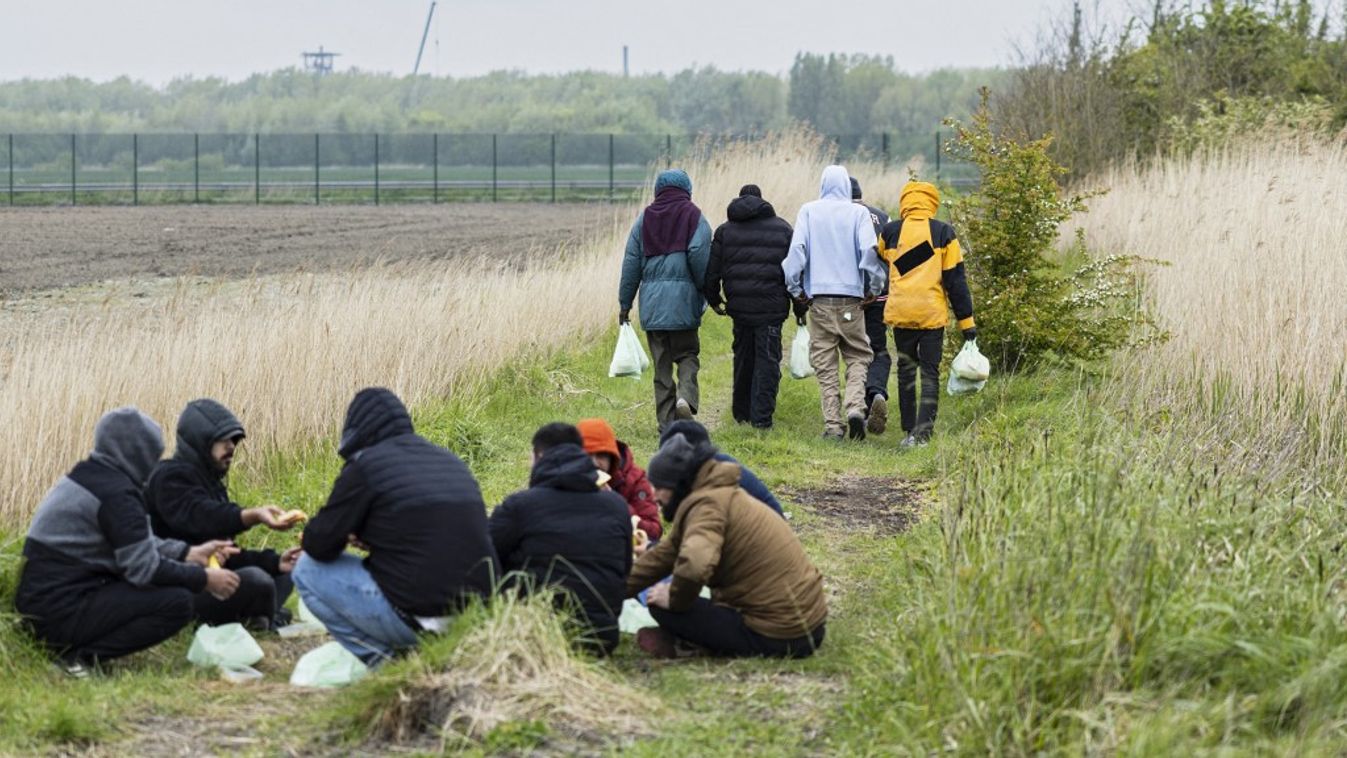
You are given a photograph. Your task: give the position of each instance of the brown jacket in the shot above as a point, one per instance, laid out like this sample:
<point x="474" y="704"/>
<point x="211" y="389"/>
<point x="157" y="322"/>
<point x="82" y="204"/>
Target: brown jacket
<point x="724" y="539"/>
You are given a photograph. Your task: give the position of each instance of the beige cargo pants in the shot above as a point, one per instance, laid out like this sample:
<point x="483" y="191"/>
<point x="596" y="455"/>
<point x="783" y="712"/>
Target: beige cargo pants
<point x="837" y="325"/>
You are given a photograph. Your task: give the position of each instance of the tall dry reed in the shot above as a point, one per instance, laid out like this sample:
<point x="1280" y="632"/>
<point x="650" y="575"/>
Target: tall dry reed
<point x="1254" y="297"/>
<point x="287" y="352"/>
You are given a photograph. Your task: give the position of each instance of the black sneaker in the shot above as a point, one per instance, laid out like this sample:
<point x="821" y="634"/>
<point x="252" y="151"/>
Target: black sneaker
<point x="856" y="426"/>
<point x="878" y="419"/>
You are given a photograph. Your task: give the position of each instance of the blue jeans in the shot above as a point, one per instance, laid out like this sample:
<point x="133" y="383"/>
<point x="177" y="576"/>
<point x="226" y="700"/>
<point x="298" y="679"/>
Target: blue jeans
<point x="343" y="595"/>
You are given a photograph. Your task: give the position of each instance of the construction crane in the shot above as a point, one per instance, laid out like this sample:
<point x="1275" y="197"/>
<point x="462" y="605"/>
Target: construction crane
<point x="417" y="68"/>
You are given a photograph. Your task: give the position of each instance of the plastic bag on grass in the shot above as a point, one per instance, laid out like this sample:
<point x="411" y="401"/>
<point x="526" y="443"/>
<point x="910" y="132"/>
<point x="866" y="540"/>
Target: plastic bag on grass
<point x="635" y="617"/>
<point x="971" y="364"/>
<point x="329" y="665"/>
<point x="800" y="368"/>
<point x="629" y="358"/>
<point x="228" y="646"/>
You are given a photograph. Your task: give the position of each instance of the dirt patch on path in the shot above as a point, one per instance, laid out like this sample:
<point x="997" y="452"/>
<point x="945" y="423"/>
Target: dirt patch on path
<point x="888" y="506"/>
<point x="59" y="247"/>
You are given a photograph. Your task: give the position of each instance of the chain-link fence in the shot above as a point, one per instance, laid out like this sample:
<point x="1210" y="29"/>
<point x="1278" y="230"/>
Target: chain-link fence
<point x="134" y="169"/>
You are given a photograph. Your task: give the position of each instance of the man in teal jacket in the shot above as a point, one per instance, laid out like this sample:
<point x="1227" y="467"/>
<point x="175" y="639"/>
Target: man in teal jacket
<point x="667" y="252"/>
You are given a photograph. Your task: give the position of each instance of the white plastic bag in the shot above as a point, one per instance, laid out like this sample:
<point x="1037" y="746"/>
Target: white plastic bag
<point x="228" y="646"/>
<point x="958" y="385"/>
<point x="629" y="358"/>
<point x="635" y="617"/>
<point x="971" y="364"/>
<point x="329" y="665"/>
<point x="800" y="367"/>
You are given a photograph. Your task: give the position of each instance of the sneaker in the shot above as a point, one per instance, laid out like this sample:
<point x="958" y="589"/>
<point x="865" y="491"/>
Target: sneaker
<point x="856" y="426"/>
<point x="879" y="415"/>
<point x="73" y="668"/>
<point x="911" y="441"/>
<point x="834" y="436"/>
<point x="682" y="410"/>
<point x="656" y="642"/>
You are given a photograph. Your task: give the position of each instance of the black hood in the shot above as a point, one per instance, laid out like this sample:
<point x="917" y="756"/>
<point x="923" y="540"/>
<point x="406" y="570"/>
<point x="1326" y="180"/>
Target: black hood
<point x="202" y="423"/>
<point x="748" y="207"/>
<point x="375" y="414"/>
<point x="565" y="467"/>
<point x="692" y="430"/>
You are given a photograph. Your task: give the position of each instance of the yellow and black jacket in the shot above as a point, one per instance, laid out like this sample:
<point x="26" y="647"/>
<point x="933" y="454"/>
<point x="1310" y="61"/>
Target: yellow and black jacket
<point x="926" y="272"/>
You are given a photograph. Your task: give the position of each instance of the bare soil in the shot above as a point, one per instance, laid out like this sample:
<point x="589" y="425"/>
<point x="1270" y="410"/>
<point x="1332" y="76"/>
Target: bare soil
<point x="852" y="503"/>
<point x="44" y="248"/>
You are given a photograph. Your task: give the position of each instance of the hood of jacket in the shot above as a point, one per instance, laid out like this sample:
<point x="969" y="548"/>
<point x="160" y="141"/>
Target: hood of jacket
<point x="202" y="423"/>
<point x="565" y="467"/>
<point x="375" y="414"/>
<point x="835" y="184"/>
<point x="920" y="200"/>
<point x="129" y="441"/>
<point x="748" y="207"/>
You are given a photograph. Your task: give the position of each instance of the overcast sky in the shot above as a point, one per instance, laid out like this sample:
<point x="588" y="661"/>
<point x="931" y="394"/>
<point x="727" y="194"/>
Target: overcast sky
<point x="158" y="40"/>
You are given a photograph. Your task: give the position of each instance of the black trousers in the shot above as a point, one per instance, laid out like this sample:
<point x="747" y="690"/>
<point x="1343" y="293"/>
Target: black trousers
<point x="877" y="379"/>
<point x="918" y="350"/>
<point x="757" y="373"/>
<point x="259" y="594"/>
<point x="116" y="619"/>
<point x="722" y="631"/>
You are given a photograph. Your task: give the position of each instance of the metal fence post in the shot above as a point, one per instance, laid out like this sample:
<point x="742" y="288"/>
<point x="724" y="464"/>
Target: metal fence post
<point x="135" y="169"/>
<point x="610" y="166"/>
<point x="376" y="168"/>
<point x="554" y="167"/>
<point x="937" y="155"/>
<point x="435" y="163"/>
<point x="495" y="175"/>
<point x="668" y="151"/>
<point x="317" y="196"/>
<point x="72" y="169"/>
<point x="257" y="168"/>
<point x="11" y="168"/>
<point x="196" y="168"/>
<point x="884" y="147"/>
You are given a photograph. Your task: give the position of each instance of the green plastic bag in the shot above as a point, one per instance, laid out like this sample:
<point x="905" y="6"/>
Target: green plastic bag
<point x="800" y="367"/>
<point x="228" y="646"/>
<point x="629" y="358"/>
<point x="329" y="665"/>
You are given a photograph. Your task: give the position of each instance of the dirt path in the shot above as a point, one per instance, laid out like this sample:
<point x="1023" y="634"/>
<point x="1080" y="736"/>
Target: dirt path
<point x="43" y="248"/>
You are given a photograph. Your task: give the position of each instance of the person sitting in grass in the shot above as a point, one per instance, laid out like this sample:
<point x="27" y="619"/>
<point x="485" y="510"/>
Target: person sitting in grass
<point x="187" y="500"/>
<point x="766" y="596"/>
<point x="697" y="434"/>
<point x="614" y="458"/>
<point x="417" y="510"/>
<point x="566" y="532"/>
<point x="96" y="584"/>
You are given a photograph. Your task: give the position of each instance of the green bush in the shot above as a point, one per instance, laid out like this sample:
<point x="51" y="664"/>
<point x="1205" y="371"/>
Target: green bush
<point x="1029" y="308"/>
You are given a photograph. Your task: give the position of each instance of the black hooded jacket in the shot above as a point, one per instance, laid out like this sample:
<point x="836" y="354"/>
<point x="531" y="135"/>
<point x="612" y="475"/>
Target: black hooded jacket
<point x="746" y="255"/>
<point x="413" y="503"/>
<point x="564" y="531"/>
<point x="186" y="495"/>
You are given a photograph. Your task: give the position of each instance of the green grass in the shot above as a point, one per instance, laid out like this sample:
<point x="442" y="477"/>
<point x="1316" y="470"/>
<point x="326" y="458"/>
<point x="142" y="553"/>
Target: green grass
<point x="1082" y="581"/>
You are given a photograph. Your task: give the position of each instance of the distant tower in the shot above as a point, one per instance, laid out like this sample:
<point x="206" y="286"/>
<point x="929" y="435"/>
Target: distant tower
<point x="626" y="70"/>
<point x="320" y="63"/>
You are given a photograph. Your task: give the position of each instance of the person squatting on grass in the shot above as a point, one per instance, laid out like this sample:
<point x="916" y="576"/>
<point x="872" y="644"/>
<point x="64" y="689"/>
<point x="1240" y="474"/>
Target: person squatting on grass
<point x="877" y="377"/>
<point x="766" y="596"/>
<point x="188" y="501"/>
<point x="417" y="510"/>
<point x="613" y="457"/>
<point x="696" y="434"/>
<point x="565" y="532"/>
<point x="665" y="261"/>
<point x="833" y="268"/>
<point x="746" y="255"/>
<point x="96" y="583"/>
<point x="926" y="279"/>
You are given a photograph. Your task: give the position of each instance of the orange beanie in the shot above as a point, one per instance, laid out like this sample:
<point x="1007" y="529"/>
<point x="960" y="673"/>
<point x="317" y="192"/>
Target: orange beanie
<point x="598" y="437"/>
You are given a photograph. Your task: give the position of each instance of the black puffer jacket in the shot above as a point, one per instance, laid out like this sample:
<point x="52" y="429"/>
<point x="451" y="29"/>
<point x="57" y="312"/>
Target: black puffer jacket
<point x="564" y="531"/>
<point x="413" y="503"/>
<point x="746" y="255"/>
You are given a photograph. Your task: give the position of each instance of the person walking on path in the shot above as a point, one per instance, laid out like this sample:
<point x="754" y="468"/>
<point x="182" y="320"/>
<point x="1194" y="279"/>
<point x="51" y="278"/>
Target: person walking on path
<point x="665" y="261"/>
<point x="877" y="378"/>
<point x="833" y="267"/>
<point x="766" y="595"/>
<point x="926" y="279"/>
<point x="188" y="501"/>
<point x="746" y="255"/>
<point x="417" y="511"/>
<point x="96" y="583"/>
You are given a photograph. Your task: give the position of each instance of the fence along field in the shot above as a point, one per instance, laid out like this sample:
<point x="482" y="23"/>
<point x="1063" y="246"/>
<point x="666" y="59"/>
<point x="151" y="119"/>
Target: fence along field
<point x="287" y="352"/>
<point x="133" y="169"/>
